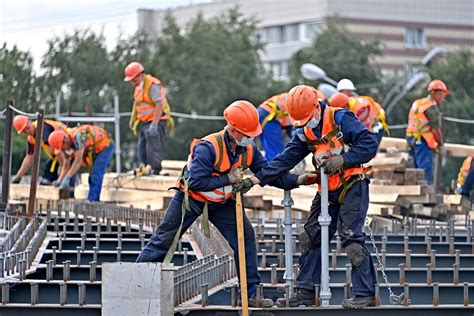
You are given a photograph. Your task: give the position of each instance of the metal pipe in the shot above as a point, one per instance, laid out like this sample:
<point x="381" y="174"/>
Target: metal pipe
<point x="273" y="274"/>
<point x="324" y="220"/>
<point x="456" y="274"/>
<point x="204" y="295"/>
<point x="93" y="271"/>
<point x="62" y="293"/>
<point x="5" y="293"/>
<point x="429" y="274"/>
<point x="263" y="263"/>
<point x="348" y="273"/>
<point x="34" y="293"/>
<point x="78" y="260"/>
<point x="402" y="273"/>
<point x="433" y="259"/>
<point x="377" y="295"/>
<point x="408" y="259"/>
<point x="49" y="270"/>
<point x="435" y="294"/>
<point x="119" y="254"/>
<point x="82" y="294"/>
<point x="317" y="299"/>
<point x="7" y="156"/>
<point x="466" y="293"/>
<point x="428" y="245"/>
<point x="66" y="270"/>
<point x="289" y="276"/>
<point x="36" y="162"/>
<point x="118" y="161"/>
<point x="406" y="294"/>
<point x="334" y="259"/>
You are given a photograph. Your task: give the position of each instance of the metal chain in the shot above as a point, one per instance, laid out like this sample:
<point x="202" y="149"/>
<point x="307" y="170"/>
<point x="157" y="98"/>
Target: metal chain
<point x="393" y="298"/>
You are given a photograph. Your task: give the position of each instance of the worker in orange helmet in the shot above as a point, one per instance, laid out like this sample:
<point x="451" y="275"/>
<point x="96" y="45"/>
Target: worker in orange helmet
<point x="424" y="128"/>
<point x="89" y="146"/>
<point x="23" y="125"/>
<point x="150" y="114"/>
<point x="342" y="144"/>
<point x="215" y="163"/>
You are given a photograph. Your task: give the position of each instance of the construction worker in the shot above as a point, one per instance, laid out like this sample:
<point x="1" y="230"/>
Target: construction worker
<point x="273" y="118"/>
<point x="465" y="182"/>
<point x="366" y="109"/>
<point x="346" y="86"/>
<point x="89" y="146"/>
<point x="424" y="128"/>
<point x="340" y="143"/>
<point x="215" y="163"/>
<point x="23" y="125"/>
<point x="150" y="114"/>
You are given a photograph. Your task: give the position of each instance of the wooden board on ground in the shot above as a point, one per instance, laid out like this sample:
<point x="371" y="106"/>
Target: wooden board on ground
<point x="383" y="209"/>
<point x="398" y="189"/>
<point x="43" y="192"/>
<point x="129" y="181"/>
<point x="454" y="150"/>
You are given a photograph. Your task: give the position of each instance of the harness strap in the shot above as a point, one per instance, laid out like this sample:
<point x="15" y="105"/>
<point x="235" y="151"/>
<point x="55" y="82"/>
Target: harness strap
<point x="220" y="144"/>
<point x="347" y="185"/>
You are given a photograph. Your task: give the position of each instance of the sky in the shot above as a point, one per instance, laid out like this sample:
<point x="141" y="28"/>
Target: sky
<point x="29" y="24"/>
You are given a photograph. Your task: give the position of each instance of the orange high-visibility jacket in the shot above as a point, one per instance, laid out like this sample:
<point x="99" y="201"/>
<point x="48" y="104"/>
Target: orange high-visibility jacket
<point x="144" y="105"/>
<point x="276" y="108"/>
<point x="419" y="124"/>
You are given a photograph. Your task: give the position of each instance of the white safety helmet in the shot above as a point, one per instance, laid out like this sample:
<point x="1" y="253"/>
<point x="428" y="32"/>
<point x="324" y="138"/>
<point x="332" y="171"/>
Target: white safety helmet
<point x="345" y="84"/>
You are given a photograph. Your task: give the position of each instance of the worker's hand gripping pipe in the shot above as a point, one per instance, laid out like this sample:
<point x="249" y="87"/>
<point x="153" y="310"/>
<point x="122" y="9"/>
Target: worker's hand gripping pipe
<point x="324" y="220"/>
<point x="239" y="212"/>
<point x="289" y="275"/>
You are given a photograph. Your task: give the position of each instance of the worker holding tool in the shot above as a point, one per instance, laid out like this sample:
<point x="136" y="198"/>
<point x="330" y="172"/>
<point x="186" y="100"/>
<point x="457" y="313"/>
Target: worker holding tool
<point x="204" y="188"/>
<point x="465" y="182"/>
<point x="423" y="133"/>
<point x="342" y="144"/>
<point x="366" y="109"/>
<point x="23" y="125"/>
<point x="150" y="115"/>
<point x="273" y="117"/>
<point x="89" y="146"/>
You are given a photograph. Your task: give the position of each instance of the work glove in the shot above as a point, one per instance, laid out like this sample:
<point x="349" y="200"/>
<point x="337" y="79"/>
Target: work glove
<point x="153" y="130"/>
<point x="235" y="175"/>
<point x="16" y="180"/>
<point x="66" y="183"/>
<point x="307" y="178"/>
<point x="56" y="183"/>
<point x="333" y="164"/>
<point x="243" y="186"/>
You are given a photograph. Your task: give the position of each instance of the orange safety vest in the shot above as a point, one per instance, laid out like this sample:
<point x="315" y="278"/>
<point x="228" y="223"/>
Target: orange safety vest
<point x="144" y="105"/>
<point x="419" y="124"/>
<point x="222" y="166"/>
<point x="464" y="171"/>
<point x="276" y="108"/>
<point x="48" y="150"/>
<point x="331" y="143"/>
<point x="96" y="140"/>
<point x="365" y="110"/>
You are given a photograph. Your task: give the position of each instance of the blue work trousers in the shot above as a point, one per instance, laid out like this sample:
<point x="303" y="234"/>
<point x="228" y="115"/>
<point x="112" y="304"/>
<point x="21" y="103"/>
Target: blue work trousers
<point x="222" y="216"/>
<point x="422" y="156"/>
<point x="99" y="167"/>
<point x="272" y="139"/>
<point x="150" y="148"/>
<point x="348" y="219"/>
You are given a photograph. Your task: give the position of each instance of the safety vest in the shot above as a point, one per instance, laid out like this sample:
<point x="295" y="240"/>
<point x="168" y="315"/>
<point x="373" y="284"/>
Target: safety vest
<point x="419" y="124"/>
<point x="222" y="166"/>
<point x="330" y="144"/>
<point x="144" y="105"/>
<point x="50" y="154"/>
<point x="276" y="108"/>
<point x="365" y="110"/>
<point x="464" y="171"/>
<point x="96" y="140"/>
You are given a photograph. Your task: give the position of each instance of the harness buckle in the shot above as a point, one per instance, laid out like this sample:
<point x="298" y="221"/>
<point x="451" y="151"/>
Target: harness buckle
<point x="339" y="135"/>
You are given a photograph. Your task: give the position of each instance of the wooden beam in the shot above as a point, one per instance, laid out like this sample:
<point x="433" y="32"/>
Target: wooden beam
<point x="454" y="150"/>
<point x="43" y="192"/>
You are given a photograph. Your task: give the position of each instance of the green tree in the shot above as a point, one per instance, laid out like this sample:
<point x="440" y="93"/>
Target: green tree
<point x="340" y="54"/>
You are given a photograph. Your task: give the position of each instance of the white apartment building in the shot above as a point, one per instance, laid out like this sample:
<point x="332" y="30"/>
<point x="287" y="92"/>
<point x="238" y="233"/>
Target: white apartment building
<point x="407" y="29"/>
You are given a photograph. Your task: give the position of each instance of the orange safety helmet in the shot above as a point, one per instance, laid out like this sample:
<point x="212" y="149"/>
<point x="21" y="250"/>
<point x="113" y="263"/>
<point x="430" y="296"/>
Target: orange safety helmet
<point x="438" y="85"/>
<point x="56" y="140"/>
<point x="339" y="100"/>
<point x="302" y="102"/>
<point x="243" y="116"/>
<point x="20" y="122"/>
<point x="132" y="70"/>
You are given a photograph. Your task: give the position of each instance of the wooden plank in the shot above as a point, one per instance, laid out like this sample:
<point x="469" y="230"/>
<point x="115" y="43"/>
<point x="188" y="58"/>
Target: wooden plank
<point x="452" y="199"/>
<point x="398" y="189"/>
<point x="44" y="192"/>
<point x="454" y="150"/>
<point x="128" y="181"/>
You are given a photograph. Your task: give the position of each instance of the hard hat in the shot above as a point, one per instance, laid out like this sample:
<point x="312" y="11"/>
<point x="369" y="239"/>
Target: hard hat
<point x="321" y="95"/>
<point x="438" y="85"/>
<point x="56" y="140"/>
<point x="302" y="102"/>
<point x="132" y="70"/>
<point x="345" y="84"/>
<point x="339" y="100"/>
<point x="243" y="116"/>
<point x="20" y="122"/>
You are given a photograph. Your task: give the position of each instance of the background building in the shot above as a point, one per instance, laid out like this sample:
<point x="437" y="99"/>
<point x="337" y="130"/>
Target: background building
<point x="406" y="28"/>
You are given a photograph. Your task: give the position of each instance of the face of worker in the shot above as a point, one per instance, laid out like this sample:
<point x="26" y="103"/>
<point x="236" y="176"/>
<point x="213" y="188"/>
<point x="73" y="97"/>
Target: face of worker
<point x="29" y="129"/>
<point x="439" y="96"/>
<point x="67" y="145"/>
<point x="137" y="80"/>
<point x="240" y="138"/>
<point x="347" y="92"/>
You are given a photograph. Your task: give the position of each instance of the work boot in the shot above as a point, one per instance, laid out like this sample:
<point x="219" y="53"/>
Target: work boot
<point x="264" y="302"/>
<point x="301" y="297"/>
<point x="359" y="302"/>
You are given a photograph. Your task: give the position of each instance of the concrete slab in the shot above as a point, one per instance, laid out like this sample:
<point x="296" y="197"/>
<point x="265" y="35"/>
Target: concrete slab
<point x="137" y="289"/>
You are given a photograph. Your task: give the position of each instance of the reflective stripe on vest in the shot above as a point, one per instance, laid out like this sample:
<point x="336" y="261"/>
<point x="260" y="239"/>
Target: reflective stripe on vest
<point x="464" y="171"/>
<point x="331" y="143"/>
<point x="419" y="124"/>
<point x="276" y="110"/>
<point x="222" y="166"/>
<point x="144" y="105"/>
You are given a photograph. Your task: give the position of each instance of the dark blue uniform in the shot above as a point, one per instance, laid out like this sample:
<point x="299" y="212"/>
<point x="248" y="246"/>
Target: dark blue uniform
<point x="222" y="215"/>
<point x="347" y="218"/>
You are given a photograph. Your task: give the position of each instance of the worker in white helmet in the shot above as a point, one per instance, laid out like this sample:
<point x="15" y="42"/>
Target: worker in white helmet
<point x="346" y="86"/>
